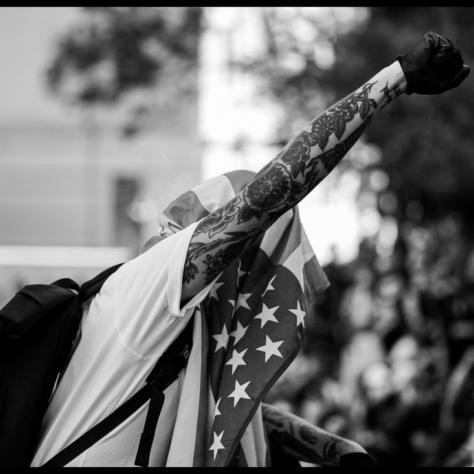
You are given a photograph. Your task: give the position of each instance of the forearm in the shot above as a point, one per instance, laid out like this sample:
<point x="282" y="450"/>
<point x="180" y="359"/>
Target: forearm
<point x="309" y="157"/>
<point x="304" y="441"/>
<point x="287" y="179"/>
<point x="314" y="152"/>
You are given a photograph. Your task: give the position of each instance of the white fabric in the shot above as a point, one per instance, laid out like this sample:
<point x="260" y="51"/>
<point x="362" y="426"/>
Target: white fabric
<point x="254" y="441"/>
<point x="126" y="327"/>
<point x="214" y="192"/>
<point x="186" y="433"/>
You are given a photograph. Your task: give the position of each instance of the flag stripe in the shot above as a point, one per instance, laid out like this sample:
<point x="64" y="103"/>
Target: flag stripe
<point x="239" y="179"/>
<point x="205" y="401"/>
<point x="253" y="439"/>
<point x="288" y="239"/>
<point x="213" y="193"/>
<point x="315" y="280"/>
<point x="185" y="210"/>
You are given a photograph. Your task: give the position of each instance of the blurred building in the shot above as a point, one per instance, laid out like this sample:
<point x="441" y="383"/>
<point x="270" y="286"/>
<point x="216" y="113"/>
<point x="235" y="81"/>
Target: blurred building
<point x="74" y="196"/>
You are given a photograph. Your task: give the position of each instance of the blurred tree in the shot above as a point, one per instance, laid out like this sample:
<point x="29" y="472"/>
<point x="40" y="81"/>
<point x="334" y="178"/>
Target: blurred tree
<point x="135" y="57"/>
<point x="297" y="55"/>
<point x="426" y="142"/>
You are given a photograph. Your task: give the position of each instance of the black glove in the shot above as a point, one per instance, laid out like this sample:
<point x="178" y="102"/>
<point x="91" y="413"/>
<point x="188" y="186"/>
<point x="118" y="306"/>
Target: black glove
<point x="433" y="66"/>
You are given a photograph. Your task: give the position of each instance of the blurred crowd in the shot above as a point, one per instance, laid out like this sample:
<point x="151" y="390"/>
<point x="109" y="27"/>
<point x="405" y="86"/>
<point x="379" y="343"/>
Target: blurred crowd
<point x="388" y="360"/>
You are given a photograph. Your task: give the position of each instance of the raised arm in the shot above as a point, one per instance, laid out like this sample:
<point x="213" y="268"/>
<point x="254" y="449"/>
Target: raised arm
<point x="309" y="157"/>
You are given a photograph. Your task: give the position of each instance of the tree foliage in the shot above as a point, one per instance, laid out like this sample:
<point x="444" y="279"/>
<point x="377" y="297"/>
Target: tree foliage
<point x="297" y="57"/>
<point x="113" y="52"/>
<point x="425" y="140"/>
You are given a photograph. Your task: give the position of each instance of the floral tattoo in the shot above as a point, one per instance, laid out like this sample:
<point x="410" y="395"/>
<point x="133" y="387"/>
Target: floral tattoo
<point x="282" y="183"/>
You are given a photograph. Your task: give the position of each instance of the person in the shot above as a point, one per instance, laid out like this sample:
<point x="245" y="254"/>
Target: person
<point x="145" y="305"/>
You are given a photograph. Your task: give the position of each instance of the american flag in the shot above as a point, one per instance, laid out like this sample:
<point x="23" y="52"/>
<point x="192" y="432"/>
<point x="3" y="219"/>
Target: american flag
<point x="256" y="317"/>
<point x="248" y="330"/>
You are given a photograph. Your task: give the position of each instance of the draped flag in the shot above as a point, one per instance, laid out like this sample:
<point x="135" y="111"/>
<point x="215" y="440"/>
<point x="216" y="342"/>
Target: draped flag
<point x="256" y="317"/>
<point x="246" y="333"/>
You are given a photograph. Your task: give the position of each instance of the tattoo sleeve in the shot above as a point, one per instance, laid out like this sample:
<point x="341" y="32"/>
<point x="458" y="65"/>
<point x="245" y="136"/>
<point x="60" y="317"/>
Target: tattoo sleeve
<point x="304" y="441"/>
<point x="301" y="165"/>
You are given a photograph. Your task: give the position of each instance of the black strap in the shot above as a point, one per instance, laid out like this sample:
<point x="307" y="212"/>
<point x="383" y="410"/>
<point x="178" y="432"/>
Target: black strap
<point x="101" y="429"/>
<point x="165" y="371"/>
<point x="93" y="286"/>
<point x="146" y="439"/>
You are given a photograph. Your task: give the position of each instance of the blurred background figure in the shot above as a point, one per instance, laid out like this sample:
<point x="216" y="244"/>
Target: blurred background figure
<point x="109" y="112"/>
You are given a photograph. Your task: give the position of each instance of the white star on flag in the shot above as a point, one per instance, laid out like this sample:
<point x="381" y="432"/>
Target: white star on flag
<point x="236" y="359"/>
<point x="270" y="348"/>
<point x="239" y="271"/>
<point x="213" y="291"/>
<point x="232" y="302"/>
<point x="267" y="314"/>
<point x="242" y="301"/>
<point x="239" y="332"/>
<point x="216" y="408"/>
<point x="222" y="339"/>
<point x="269" y="286"/>
<point x="217" y="445"/>
<point x="239" y="392"/>
<point x="299" y="314"/>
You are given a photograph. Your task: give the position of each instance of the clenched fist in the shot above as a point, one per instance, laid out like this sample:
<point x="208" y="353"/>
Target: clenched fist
<point x="433" y="66"/>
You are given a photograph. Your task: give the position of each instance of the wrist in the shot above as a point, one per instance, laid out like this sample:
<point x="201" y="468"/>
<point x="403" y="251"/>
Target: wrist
<point x="399" y="78"/>
<point x="391" y="83"/>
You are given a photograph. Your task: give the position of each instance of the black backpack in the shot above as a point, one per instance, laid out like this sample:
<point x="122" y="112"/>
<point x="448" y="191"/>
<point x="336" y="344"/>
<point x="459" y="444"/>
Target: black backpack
<point x="38" y="334"/>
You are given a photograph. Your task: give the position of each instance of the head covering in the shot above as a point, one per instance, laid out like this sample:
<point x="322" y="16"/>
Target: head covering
<point x="246" y="332"/>
<point x="207" y="197"/>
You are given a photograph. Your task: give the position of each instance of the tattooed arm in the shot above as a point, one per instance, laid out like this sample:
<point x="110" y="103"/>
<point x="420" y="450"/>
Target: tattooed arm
<point x="305" y="161"/>
<point x="305" y="442"/>
<point x="287" y="179"/>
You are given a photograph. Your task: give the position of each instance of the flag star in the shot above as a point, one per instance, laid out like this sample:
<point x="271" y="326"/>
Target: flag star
<point x="242" y="301"/>
<point x="222" y="338"/>
<point x="299" y="314"/>
<point x="239" y="332"/>
<point x="240" y="272"/>
<point x="232" y="302"/>
<point x="270" y="348"/>
<point x="270" y="285"/>
<point x="266" y="315"/>
<point x="236" y="359"/>
<point x="239" y="392"/>
<point x="216" y="408"/>
<point x="213" y="292"/>
<point x="217" y="444"/>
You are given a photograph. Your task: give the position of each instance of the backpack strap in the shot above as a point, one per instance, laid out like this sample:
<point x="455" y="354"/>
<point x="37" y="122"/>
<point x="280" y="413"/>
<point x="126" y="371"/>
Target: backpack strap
<point x="165" y="371"/>
<point x="87" y="290"/>
<point x="93" y="286"/>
